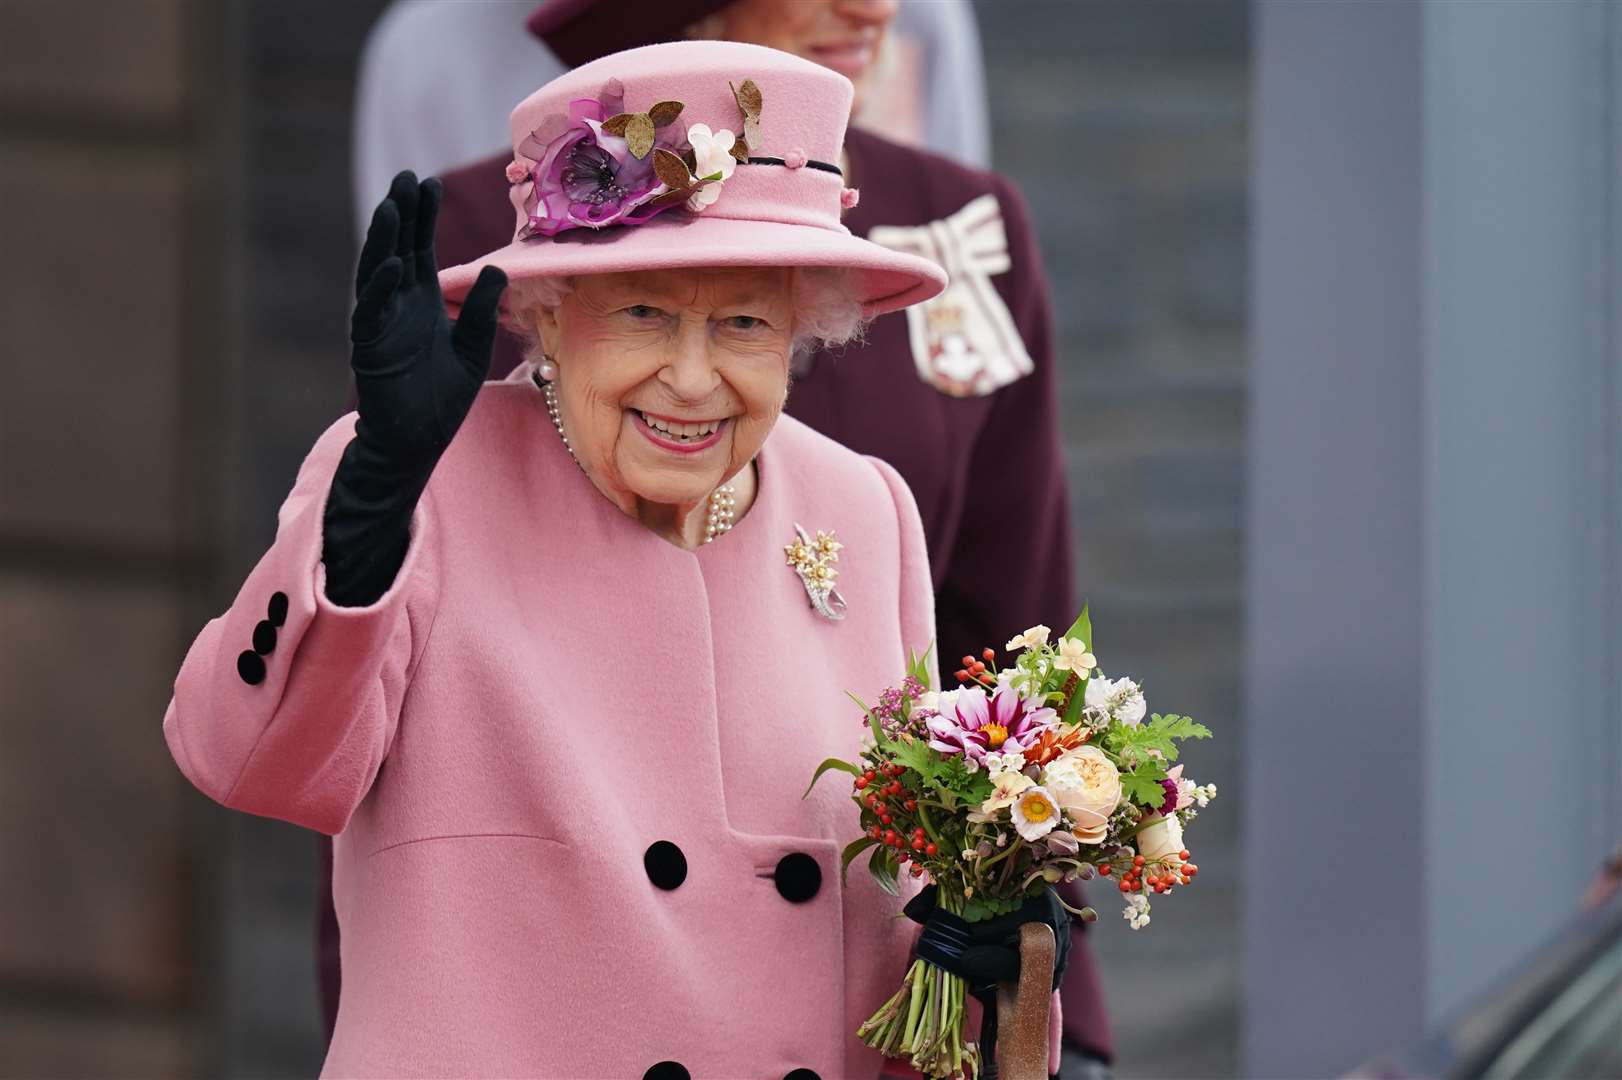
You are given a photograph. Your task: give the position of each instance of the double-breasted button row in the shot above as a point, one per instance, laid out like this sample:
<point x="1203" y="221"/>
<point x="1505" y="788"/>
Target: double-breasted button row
<point x="674" y="1070"/>
<point x="798" y="876"/>
<point x="250" y="662"/>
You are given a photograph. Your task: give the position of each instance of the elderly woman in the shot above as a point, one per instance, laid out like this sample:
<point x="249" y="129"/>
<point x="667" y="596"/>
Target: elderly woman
<point x="532" y="651"/>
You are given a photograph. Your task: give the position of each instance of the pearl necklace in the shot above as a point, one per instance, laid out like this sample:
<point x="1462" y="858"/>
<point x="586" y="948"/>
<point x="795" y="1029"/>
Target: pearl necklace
<point x="723" y="507"/>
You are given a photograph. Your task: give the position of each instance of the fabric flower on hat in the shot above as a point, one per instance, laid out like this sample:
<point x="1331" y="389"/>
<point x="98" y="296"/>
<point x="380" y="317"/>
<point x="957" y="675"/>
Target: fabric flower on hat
<point x="585" y="175"/>
<point x="712" y="161"/>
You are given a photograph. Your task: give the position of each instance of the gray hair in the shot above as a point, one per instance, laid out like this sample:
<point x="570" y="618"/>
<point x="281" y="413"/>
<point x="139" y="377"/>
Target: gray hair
<point x="827" y="313"/>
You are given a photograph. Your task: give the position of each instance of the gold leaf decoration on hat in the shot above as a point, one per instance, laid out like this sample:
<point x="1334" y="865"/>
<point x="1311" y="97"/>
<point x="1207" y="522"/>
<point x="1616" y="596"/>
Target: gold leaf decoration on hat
<point x="672" y="170"/>
<point x="676" y="173"/>
<point x="664" y="113"/>
<point x="749" y="100"/>
<point x="639" y="135"/>
<point x="637" y="128"/>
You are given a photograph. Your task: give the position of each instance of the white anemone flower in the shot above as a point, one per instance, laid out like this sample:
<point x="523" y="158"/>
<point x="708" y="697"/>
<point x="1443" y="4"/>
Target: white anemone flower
<point x="1035" y="813"/>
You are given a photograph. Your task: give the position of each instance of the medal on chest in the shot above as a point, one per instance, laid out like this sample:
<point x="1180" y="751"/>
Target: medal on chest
<point x="964" y="341"/>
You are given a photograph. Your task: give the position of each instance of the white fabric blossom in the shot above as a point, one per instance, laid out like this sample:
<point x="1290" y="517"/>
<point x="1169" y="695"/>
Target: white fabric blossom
<point x="712" y="154"/>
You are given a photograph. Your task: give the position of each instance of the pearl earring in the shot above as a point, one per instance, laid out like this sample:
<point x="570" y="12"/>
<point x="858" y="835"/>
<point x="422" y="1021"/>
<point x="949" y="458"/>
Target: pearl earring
<point x="546" y="369"/>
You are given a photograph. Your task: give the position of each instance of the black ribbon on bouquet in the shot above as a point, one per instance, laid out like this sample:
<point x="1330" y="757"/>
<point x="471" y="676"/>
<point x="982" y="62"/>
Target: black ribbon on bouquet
<point x="986" y="953"/>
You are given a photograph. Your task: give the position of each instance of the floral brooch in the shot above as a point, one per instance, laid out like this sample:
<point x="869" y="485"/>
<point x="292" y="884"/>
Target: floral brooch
<point x="814" y="561"/>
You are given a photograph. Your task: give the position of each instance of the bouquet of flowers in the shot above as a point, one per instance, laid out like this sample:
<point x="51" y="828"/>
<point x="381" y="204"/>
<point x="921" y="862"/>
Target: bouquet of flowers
<point x="1039" y="772"/>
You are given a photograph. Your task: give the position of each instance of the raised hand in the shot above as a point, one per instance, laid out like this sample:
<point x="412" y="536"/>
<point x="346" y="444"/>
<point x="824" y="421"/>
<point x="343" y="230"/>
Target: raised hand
<point x="416" y="372"/>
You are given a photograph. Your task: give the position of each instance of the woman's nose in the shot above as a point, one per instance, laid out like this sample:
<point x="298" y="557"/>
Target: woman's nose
<point x="690" y="372"/>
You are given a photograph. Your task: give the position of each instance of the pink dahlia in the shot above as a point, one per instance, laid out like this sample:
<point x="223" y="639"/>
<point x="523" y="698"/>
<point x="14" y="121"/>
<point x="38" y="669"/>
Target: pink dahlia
<point x="973" y="725"/>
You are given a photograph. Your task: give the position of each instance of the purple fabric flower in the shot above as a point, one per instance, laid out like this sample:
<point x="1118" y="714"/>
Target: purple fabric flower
<point x="584" y="176"/>
<point x="974" y="726"/>
<point x="1169" y="804"/>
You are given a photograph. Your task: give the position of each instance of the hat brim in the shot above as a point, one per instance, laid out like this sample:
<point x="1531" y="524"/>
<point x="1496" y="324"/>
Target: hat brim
<point x="886" y="280"/>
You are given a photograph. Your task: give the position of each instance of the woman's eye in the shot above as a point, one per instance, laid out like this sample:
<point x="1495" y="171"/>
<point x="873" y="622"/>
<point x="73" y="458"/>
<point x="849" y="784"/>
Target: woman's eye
<point x="744" y="322"/>
<point x="643" y="311"/>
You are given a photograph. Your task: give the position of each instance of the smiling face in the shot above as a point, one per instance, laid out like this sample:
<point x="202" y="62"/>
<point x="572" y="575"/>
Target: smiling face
<point x="844" y="35"/>
<point x="670" y="380"/>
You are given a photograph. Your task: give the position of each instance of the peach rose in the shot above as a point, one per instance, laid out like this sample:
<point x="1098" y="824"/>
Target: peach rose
<point x="1162" y="841"/>
<point x="1087" y="786"/>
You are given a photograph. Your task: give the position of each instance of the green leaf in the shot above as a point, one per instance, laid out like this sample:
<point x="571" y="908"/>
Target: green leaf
<point x="1082" y="628"/>
<point x="852" y="849"/>
<point x="918" y="666"/>
<point x="879" y="737"/>
<point x="832" y="763"/>
<point x="882" y="865"/>
<point x="1142" y="785"/>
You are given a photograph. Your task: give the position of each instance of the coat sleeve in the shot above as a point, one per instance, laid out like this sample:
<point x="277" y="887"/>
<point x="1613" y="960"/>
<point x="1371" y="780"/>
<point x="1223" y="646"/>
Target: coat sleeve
<point x="917" y="599"/>
<point x="1011" y="568"/>
<point x="286" y="705"/>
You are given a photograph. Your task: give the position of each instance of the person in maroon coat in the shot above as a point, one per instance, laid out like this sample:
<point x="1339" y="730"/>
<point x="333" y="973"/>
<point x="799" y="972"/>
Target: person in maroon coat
<point x="959" y="394"/>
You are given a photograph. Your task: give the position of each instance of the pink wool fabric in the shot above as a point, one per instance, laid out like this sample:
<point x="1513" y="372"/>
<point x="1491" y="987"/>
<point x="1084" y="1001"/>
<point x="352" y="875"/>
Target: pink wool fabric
<point x="547" y="690"/>
<point x="766" y="215"/>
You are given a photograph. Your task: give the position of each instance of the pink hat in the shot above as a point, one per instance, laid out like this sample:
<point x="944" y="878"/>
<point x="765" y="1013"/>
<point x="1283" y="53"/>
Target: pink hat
<point x="691" y="153"/>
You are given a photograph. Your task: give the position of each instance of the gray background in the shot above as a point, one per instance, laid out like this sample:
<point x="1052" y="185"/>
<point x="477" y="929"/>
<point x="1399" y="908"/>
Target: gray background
<point x="1362" y="518"/>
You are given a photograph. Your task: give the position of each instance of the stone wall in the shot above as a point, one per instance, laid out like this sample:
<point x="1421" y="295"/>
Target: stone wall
<point x="1126" y="127"/>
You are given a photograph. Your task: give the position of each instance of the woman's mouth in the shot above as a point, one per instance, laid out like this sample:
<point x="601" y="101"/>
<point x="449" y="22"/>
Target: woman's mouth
<point x="850" y="59"/>
<point x="682" y="436"/>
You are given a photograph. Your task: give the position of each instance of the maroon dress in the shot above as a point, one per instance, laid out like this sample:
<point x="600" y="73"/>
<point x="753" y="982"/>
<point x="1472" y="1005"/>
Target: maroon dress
<point x="1000" y="563"/>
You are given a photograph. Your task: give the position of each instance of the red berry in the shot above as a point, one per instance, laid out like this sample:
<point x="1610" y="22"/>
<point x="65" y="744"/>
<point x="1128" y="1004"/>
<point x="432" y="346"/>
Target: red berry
<point x="1137" y="860"/>
<point x="930" y="849"/>
<point x="885" y="818"/>
<point x="861" y="782"/>
<point x="912" y="804"/>
<point x="917" y="870"/>
<point x="1126" y="886"/>
<point x="1104" y="870"/>
<point x="988" y="655"/>
<point x="962" y="676"/>
<point x="968" y="661"/>
<point x="1183" y="854"/>
<point x="1191" y="869"/>
<point x="889" y="836"/>
<point x="917" y="843"/>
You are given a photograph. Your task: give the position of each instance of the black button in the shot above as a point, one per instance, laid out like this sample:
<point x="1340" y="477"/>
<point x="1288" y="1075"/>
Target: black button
<point x="667" y="868"/>
<point x="798" y="877"/>
<point x="264" y="638"/>
<point x="251" y="668"/>
<point x="802" y="1074"/>
<point x="277" y="611"/>
<point x="668" y="1070"/>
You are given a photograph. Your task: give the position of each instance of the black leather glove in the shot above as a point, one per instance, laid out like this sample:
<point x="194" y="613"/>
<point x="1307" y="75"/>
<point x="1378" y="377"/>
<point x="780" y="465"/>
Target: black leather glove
<point x="416" y="375"/>
<point x="986" y="953"/>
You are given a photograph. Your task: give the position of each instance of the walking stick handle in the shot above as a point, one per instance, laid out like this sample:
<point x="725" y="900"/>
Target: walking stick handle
<point x="1022" y="1008"/>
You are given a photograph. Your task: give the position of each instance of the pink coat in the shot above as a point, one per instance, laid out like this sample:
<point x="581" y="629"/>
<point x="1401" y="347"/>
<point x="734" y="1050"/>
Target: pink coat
<point x="548" y="691"/>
